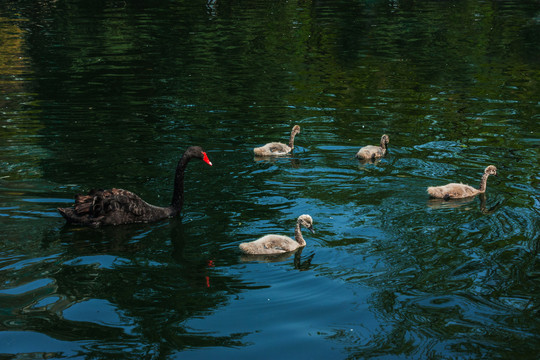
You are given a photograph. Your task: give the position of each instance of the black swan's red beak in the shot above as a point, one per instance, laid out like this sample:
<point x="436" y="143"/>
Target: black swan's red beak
<point x="206" y="159"/>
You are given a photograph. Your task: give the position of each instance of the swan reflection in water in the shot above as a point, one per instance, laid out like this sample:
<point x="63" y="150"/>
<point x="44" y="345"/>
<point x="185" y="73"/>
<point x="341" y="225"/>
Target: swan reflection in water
<point x="300" y="262"/>
<point x="363" y="162"/>
<point x="466" y="203"/>
<point x="295" y="163"/>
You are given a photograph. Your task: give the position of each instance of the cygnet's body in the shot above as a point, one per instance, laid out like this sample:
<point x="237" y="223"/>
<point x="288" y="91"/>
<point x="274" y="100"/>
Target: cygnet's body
<point x="276" y="148"/>
<point x="459" y="191"/>
<point x="279" y="244"/>
<point x="372" y="152"/>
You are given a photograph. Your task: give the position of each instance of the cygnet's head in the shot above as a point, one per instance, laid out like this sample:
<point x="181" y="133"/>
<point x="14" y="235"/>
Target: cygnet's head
<point x="491" y="170"/>
<point x="385" y="139"/>
<point x="296" y="129"/>
<point x="307" y="222"/>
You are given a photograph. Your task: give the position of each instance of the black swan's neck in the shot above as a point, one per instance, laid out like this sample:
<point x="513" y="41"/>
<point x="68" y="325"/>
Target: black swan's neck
<point x="178" y="193"/>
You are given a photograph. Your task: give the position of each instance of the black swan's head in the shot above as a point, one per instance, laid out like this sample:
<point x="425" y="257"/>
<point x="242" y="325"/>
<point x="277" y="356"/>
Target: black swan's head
<point x="197" y="152"/>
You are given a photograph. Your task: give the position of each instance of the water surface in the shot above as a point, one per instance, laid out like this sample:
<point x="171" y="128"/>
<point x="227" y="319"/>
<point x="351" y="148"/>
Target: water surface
<point x="103" y="94"/>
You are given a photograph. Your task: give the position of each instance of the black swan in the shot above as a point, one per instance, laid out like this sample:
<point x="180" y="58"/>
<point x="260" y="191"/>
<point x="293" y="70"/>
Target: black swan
<point x="372" y="152"/>
<point x="117" y="206"/>
<point x="279" y="244"/>
<point x="459" y="191"/>
<point x="276" y="148"/>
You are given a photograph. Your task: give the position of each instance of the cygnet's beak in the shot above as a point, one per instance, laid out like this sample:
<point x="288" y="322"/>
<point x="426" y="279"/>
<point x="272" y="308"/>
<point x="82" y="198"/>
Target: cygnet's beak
<point x="311" y="229"/>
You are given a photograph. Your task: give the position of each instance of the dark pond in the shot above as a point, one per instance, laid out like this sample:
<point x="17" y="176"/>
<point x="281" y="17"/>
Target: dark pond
<point x="100" y="94"/>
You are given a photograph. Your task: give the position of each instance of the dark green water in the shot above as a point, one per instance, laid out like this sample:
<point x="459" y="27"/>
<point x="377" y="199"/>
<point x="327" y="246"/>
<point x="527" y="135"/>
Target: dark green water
<point x="99" y="94"/>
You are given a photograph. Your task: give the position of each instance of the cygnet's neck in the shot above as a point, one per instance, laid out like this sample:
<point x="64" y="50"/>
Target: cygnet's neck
<point x="298" y="235"/>
<point x="291" y="139"/>
<point x="383" y="145"/>
<point x="483" y="182"/>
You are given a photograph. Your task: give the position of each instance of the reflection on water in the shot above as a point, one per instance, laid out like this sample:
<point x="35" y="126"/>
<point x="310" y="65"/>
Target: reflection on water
<point x="300" y="262"/>
<point x="108" y="94"/>
<point x="295" y="163"/>
<point x="469" y="203"/>
<point x="363" y="162"/>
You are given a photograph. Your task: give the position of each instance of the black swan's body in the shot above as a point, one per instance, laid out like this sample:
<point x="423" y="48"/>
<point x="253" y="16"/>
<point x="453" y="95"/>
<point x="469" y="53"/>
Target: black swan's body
<point x="117" y="206"/>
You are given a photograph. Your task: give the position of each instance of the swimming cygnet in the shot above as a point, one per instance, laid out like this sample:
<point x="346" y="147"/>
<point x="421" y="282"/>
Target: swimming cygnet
<point x="276" y="148"/>
<point x="372" y="152"/>
<point x="278" y="244"/>
<point x="458" y="191"/>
